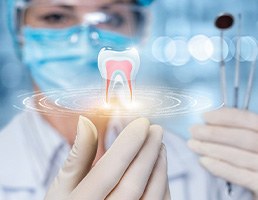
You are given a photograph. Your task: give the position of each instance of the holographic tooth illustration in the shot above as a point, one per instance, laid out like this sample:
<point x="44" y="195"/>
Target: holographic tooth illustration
<point x="118" y="66"/>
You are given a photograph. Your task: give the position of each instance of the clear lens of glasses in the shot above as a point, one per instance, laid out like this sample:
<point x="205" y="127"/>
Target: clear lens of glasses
<point x="124" y="19"/>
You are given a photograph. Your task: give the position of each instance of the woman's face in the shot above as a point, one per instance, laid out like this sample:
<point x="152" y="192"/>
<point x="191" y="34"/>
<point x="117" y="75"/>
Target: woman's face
<point x="58" y="14"/>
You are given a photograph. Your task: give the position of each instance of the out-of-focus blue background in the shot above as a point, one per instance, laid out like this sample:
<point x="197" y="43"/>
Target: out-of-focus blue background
<point x="13" y="78"/>
<point x="182" y="52"/>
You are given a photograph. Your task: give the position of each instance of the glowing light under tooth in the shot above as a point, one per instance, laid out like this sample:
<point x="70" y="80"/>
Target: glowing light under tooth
<point x="128" y="105"/>
<point x="106" y="105"/>
<point x="132" y="105"/>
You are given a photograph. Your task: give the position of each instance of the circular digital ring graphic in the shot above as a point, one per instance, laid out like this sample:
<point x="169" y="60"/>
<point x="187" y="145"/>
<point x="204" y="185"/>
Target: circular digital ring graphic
<point x="149" y="102"/>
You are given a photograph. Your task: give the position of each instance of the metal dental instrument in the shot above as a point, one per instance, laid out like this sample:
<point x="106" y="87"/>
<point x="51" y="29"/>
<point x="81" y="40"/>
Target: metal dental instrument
<point x="250" y="84"/>
<point x="222" y="22"/>
<point x="237" y="67"/>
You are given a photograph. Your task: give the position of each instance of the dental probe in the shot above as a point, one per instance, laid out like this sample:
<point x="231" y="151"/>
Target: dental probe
<point x="222" y="22"/>
<point x="250" y="84"/>
<point x="238" y="53"/>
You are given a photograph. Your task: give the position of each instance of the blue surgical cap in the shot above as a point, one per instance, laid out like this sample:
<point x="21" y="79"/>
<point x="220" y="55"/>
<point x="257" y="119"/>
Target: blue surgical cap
<point x="12" y="18"/>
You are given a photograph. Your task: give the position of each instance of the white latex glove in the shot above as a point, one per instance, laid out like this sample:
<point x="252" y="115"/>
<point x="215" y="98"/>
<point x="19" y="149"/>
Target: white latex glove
<point x="228" y="145"/>
<point x="134" y="167"/>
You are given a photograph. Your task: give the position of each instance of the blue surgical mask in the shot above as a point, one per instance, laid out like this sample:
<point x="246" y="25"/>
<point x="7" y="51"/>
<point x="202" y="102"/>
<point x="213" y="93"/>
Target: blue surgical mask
<point x="66" y="58"/>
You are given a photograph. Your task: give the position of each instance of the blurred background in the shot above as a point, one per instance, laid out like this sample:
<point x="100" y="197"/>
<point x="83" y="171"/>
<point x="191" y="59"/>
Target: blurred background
<point x="14" y="79"/>
<point x="183" y="51"/>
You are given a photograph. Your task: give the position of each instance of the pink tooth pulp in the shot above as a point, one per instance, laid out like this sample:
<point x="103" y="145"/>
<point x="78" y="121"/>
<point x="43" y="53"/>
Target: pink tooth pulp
<point x="112" y="66"/>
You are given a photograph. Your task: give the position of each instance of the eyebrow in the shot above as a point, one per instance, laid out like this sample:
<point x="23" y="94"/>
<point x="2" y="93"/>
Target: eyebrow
<point x="66" y="7"/>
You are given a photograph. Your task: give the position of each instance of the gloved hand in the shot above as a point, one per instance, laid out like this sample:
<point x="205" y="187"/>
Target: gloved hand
<point x="133" y="168"/>
<point x="228" y="145"/>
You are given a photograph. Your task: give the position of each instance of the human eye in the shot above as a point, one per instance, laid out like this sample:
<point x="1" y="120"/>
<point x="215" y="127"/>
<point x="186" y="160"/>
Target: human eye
<point x="56" y="18"/>
<point x="51" y="16"/>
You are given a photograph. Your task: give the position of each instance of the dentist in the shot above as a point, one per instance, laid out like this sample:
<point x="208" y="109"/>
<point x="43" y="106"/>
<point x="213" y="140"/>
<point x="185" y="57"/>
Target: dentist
<point x="53" y="157"/>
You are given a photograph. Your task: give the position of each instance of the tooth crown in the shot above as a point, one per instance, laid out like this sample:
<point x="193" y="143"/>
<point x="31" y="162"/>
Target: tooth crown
<point x="130" y="55"/>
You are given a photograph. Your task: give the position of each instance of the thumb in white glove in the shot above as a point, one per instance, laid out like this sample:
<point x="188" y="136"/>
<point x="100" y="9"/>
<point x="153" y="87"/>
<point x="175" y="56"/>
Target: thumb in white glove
<point x="76" y="166"/>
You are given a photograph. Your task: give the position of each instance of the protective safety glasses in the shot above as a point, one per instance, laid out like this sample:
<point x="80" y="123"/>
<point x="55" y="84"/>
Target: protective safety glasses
<point x="124" y="19"/>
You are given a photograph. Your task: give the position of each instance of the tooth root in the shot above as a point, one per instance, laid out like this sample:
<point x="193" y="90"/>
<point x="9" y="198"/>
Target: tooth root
<point x="108" y="82"/>
<point x="107" y="90"/>
<point x="131" y="89"/>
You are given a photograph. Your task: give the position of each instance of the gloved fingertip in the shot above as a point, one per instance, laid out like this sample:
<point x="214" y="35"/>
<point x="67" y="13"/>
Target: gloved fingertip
<point x="211" y="115"/>
<point x="140" y="123"/>
<point x="196" y="130"/>
<point x="138" y="128"/>
<point x="157" y="130"/>
<point x="85" y="126"/>
<point x="206" y="116"/>
<point x="193" y="129"/>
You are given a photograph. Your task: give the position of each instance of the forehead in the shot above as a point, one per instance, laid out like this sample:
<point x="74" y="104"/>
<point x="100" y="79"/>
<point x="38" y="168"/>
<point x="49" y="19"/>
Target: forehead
<point x="79" y="2"/>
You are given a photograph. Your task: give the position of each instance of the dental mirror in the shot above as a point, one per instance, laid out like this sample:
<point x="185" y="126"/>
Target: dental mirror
<point x="222" y="22"/>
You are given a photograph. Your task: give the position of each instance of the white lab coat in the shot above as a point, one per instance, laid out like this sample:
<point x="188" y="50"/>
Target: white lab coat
<point x="31" y="152"/>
